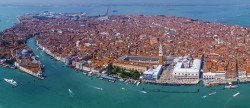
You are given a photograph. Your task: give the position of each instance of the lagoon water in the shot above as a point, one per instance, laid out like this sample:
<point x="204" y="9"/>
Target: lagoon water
<point x="90" y="92"/>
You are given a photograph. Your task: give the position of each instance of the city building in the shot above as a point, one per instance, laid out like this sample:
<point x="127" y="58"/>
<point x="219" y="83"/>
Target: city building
<point x="187" y="68"/>
<point x="213" y="75"/>
<point x="153" y="73"/>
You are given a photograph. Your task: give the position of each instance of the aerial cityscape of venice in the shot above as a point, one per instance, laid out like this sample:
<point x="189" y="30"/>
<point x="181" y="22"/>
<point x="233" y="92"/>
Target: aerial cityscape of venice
<point x="120" y="54"/>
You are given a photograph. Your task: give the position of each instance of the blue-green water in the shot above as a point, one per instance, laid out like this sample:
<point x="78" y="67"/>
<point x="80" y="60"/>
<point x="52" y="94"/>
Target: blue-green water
<point x="53" y="91"/>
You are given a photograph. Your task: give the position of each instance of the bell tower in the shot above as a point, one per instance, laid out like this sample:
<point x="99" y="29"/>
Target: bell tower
<point x="160" y="55"/>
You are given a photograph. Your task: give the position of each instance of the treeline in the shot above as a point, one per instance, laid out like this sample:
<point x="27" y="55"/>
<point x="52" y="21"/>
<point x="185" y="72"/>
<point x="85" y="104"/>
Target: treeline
<point x="113" y="70"/>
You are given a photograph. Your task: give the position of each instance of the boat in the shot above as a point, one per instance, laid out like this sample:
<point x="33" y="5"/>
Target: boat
<point x="135" y="82"/>
<point x="236" y="94"/>
<point x="11" y="81"/>
<point x="98" y="88"/>
<point x="12" y="67"/>
<point x="210" y="94"/>
<point x="230" y="86"/>
<point x="121" y="80"/>
<point x="138" y="83"/>
<point x="111" y="80"/>
<point x="144" y="92"/>
<point x="71" y="93"/>
<point x="90" y="74"/>
<point x="85" y="73"/>
<point x="123" y="88"/>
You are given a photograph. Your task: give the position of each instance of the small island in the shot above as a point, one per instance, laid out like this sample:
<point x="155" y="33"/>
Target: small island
<point x="134" y="48"/>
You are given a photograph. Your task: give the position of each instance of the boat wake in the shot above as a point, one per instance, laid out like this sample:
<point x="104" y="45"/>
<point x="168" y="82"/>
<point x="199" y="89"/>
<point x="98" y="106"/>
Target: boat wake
<point x="227" y="102"/>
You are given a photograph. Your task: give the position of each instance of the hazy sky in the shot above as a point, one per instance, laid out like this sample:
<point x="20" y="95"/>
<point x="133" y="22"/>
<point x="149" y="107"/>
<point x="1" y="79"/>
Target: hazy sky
<point x="86" y="2"/>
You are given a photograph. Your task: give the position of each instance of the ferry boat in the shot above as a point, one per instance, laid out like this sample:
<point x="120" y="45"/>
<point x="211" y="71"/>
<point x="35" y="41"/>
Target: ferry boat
<point x="210" y="94"/>
<point x="230" y="86"/>
<point x="236" y="94"/>
<point x="11" y="81"/>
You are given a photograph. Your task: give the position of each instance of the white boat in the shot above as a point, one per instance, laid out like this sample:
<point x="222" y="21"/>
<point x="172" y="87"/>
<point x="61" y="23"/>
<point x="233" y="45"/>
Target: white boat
<point x="121" y="80"/>
<point x="112" y="81"/>
<point x="11" y="81"/>
<point x="123" y="88"/>
<point x="71" y="93"/>
<point x="230" y="86"/>
<point x="135" y="82"/>
<point x="210" y="94"/>
<point x="90" y="74"/>
<point x="138" y="83"/>
<point x="236" y="94"/>
<point x="144" y="92"/>
<point x="98" y="88"/>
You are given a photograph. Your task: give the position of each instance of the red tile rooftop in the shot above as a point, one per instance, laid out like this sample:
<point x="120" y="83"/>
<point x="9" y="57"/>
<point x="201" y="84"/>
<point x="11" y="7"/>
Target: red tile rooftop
<point x="104" y="41"/>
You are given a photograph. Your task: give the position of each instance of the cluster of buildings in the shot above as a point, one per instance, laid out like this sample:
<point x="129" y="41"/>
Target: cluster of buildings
<point x="216" y="51"/>
<point x="27" y="62"/>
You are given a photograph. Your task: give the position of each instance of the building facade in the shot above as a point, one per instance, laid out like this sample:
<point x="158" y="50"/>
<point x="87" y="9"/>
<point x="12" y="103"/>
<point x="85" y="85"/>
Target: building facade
<point x="187" y="68"/>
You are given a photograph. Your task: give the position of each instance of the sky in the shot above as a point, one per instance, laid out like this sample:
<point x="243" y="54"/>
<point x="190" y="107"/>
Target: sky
<point x="87" y="2"/>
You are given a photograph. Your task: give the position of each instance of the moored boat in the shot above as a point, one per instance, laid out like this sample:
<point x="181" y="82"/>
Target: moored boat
<point x="138" y="83"/>
<point x="85" y="73"/>
<point x="230" y="86"/>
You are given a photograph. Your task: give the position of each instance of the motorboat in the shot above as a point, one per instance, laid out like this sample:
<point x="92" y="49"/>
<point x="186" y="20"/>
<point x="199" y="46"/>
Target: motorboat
<point x="210" y="94"/>
<point x="144" y="92"/>
<point x="71" y="93"/>
<point x="11" y="81"/>
<point x="236" y="94"/>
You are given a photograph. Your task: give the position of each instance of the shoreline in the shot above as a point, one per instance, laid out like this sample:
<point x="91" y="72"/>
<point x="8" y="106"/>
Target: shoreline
<point x="131" y="81"/>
